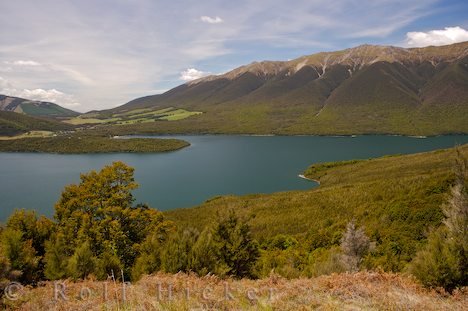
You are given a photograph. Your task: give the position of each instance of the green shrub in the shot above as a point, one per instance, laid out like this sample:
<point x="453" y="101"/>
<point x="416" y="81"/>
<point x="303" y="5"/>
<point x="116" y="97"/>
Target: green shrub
<point x="82" y="263"/>
<point x="444" y="260"/>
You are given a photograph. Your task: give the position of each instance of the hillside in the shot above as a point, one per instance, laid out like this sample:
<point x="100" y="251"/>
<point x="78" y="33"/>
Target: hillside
<point x="12" y="123"/>
<point x="366" y="89"/>
<point x="360" y="291"/>
<point x="35" y="108"/>
<point x="397" y="199"/>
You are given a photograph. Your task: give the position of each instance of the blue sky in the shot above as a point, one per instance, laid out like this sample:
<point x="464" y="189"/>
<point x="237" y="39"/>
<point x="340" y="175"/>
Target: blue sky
<point x="98" y="54"/>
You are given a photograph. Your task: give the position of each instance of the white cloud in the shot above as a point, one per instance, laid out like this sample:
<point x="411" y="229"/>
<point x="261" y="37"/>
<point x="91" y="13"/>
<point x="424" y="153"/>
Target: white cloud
<point x="211" y="20"/>
<point x="25" y="63"/>
<point x="445" y="36"/>
<point x="50" y="95"/>
<point x="192" y="74"/>
<point x="104" y="62"/>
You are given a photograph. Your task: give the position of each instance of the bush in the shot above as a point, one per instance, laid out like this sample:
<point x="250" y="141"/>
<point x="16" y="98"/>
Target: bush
<point x="444" y="260"/>
<point x="437" y="265"/>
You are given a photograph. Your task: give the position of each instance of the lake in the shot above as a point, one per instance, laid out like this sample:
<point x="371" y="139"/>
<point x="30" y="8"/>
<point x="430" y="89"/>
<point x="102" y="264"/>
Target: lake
<point x="211" y="166"/>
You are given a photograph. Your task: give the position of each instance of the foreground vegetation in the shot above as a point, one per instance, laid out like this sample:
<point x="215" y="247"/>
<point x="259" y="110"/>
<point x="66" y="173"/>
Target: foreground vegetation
<point x="77" y="143"/>
<point x="359" y="291"/>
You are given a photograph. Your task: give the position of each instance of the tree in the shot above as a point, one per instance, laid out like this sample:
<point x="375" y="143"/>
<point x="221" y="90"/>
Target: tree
<point x="228" y="249"/>
<point x="98" y="213"/>
<point x="443" y="262"/>
<point x="235" y="246"/>
<point x="20" y="255"/>
<point x="38" y="230"/>
<point x="203" y="258"/>
<point x="354" y="244"/>
<point x="178" y="250"/>
<point x="149" y="259"/>
<point x="108" y="264"/>
<point x="35" y="232"/>
<point x="82" y="263"/>
<point x="4" y="266"/>
<point x="56" y="257"/>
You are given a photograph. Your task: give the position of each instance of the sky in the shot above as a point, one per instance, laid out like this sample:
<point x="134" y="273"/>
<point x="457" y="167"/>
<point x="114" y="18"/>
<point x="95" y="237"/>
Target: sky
<point x="98" y="54"/>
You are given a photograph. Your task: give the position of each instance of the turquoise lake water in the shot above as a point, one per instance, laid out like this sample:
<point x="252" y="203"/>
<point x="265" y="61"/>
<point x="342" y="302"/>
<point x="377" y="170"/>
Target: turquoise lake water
<point x="211" y="166"/>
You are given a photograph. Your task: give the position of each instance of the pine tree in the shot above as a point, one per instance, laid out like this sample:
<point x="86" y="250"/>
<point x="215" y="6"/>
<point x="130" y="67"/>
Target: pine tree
<point x="235" y="246"/>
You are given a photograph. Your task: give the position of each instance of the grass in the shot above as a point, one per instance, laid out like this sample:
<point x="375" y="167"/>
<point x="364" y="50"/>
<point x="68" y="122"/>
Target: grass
<point x="179" y="114"/>
<point x="359" y="291"/>
<point x="46" y="109"/>
<point x="133" y="117"/>
<point x="30" y="134"/>
<point x="82" y="121"/>
<point x="90" y="144"/>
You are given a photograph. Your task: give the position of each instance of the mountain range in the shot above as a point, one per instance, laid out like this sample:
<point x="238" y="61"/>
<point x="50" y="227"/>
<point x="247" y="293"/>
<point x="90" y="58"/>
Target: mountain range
<point x="363" y="90"/>
<point x="367" y="89"/>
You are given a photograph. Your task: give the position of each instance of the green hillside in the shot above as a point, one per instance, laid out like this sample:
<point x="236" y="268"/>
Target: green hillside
<point x="76" y="144"/>
<point x="12" y="123"/>
<point x="396" y="199"/>
<point x="35" y="108"/>
<point x="362" y="90"/>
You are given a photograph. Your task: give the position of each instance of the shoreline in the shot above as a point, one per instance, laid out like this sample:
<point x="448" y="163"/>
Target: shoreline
<point x="292" y="135"/>
<point x="309" y="179"/>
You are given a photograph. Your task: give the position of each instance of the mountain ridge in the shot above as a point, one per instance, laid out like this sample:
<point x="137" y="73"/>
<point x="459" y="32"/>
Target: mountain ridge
<point x="363" y="90"/>
<point x="361" y="55"/>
